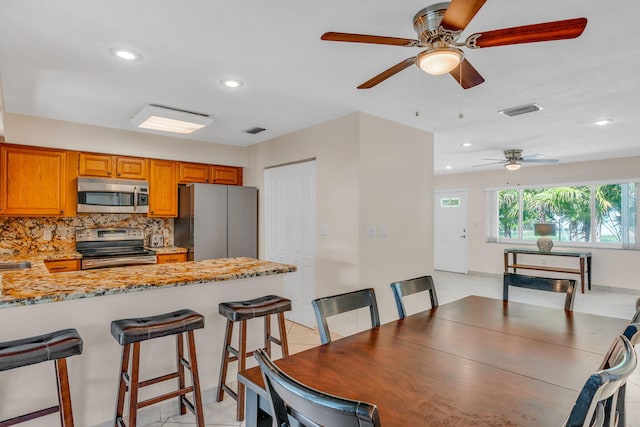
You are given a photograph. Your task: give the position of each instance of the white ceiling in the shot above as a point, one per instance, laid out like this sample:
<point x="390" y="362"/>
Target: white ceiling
<point x="55" y="63"/>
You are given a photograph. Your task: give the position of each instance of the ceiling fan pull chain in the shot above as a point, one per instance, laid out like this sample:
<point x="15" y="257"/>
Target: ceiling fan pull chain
<point x="460" y="115"/>
<point x="417" y="92"/>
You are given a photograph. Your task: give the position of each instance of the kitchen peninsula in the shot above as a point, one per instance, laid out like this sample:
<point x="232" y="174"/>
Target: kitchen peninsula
<point x="35" y="301"/>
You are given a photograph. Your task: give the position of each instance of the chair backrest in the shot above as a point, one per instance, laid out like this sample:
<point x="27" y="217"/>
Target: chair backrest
<point x="540" y="283"/>
<point x="595" y="405"/>
<point x="310" y="407"/>
<point x="336" y="304"/>
<point x="412" y="286"/>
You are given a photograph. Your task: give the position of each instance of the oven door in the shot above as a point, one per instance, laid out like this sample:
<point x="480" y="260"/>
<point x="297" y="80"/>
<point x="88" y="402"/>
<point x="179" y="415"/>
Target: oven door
<point x="117" y="261"/>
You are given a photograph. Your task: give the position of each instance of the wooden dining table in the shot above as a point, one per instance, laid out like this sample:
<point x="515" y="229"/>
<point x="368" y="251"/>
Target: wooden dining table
<point x="472" y="362"/>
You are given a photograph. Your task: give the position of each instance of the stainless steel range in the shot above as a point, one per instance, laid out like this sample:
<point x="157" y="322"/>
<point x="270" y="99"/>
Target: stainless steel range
<point x="112" y="247"/>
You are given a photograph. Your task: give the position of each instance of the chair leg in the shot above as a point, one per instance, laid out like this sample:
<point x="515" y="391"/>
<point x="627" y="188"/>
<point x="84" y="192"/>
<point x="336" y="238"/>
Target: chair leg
<point x="195" y="379"/>
<point x="181" y="382"/>
<point x="224" y="364"/>
<point x="133" y="385"/>
<point x="122" y="385"/>
<point x="267" y="334"/>
<point x="242" y="363"/>
<point x="284" y="344"/>
<point x="64" y="393"/>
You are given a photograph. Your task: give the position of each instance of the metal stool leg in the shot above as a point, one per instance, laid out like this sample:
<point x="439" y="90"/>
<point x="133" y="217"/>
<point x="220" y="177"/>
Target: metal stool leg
<point x="242" y="364"/>
<point x="179" y="359"/>
<point x="284" y="344"/>
<point x="122" y="384"/>
<point x="267" y="334"/>
<point x="133" y="385"/>
<point x="224" y="364"/>
<point x="195" y="379"/>
<point x="64" y="393"/>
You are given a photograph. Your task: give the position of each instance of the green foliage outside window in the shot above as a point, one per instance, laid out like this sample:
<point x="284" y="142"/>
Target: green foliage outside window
<point x="586" y="213"/>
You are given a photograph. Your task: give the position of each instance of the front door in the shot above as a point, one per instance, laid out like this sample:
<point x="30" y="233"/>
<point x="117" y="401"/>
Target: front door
<point x="450" y="234"/>
<point x="290" y="221"/>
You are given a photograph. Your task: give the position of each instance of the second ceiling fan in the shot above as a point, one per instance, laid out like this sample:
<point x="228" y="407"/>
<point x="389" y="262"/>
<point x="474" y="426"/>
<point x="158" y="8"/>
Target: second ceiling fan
<point x="439" y="27"/>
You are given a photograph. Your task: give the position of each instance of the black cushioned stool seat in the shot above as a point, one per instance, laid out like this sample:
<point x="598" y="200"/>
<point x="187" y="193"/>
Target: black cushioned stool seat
<point x="54" y="346"/>
<point x="241" y="311"/>
<point x="130" y="333"/>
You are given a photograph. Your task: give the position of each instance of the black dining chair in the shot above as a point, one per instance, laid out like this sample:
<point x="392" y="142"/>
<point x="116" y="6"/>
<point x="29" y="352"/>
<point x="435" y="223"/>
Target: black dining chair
<point x="309" y="407"/>
<point x="566" y="286"/>
<point x="596" y="403"/>
<point x="632" y="332"/>
<point x="409" y="287"/>
<point x="336" y="304"/>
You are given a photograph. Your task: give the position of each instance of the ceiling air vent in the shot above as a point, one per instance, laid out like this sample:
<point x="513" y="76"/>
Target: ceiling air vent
<point x="254" y="130"/>
<point x="523" y="109"/>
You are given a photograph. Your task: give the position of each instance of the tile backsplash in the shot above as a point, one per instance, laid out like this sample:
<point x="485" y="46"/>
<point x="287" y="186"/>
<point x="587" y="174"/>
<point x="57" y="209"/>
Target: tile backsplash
<point x="25" y="235"/>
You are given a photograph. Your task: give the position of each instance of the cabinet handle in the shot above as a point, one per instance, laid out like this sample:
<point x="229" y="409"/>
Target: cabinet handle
<point x="119" y="174"/>
<point x="108" y="173"/>
<point x="57" y="268"/>
<point x="61" y="211"/>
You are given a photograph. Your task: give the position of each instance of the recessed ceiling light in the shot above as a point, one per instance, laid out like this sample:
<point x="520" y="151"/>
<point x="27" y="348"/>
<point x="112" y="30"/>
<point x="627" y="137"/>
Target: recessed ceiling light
<point x="602" y="122"/>
<point x="448" y="167"/>
<point x="126" y="54"/>
<point x="466" y="144"/>
<point x="231" y="83"/>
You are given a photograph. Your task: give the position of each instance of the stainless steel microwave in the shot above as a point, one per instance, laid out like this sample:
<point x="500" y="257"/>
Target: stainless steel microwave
<point x="98" y="195"/>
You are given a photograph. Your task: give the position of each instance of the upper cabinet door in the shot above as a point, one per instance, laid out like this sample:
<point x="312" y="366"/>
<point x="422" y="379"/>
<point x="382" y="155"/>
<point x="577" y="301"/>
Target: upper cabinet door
<point x="100" y="165"/>
<point x="34" y="181"/>
<point x="193" y="172"/>
<point x="131" y="167"/>
<point x="108" y="166"/>
<point x="163" y="188"/>
<point x="228" y="175"/>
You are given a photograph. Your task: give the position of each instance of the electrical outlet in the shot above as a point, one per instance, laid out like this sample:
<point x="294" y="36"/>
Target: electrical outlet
<point x="371" y="231"/>
<point x="47" y="234"/>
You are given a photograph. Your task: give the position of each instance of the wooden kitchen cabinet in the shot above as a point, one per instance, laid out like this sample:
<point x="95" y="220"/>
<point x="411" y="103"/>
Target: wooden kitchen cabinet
<point x="170" y="258"/>
<point x="193" y="172"/>
<point x="60" y="265"/>
<point x="228" y="175"/>
<point x="163" y="188"/>
<point x="109" y="166"/>
<point x="37" y="181"/>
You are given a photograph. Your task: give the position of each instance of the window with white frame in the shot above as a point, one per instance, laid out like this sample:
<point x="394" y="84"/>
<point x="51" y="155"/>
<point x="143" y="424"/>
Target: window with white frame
<point x="598" y="214"/>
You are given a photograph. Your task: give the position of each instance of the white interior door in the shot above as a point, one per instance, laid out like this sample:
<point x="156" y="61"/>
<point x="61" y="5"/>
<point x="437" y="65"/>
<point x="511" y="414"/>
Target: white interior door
<point x="450" y="234"/>
<point x="290" y="222"/>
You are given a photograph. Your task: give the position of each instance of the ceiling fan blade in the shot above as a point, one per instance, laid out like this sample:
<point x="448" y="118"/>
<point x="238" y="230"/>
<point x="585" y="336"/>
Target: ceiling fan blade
<point x="364" y="38"/>
<point x="388" y="73"/>
<point x="541" y="160"/>
<point x="487" y="164"/>
<point x="470" y="76"/>
<point x="532" y="156"/>
<point x="547" y="31"/>
<point x="460" y="13"/>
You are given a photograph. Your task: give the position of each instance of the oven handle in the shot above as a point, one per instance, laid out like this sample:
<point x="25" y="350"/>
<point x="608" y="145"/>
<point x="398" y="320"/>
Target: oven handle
<point x="135" y="199"/>
<point x="119" y="261"/>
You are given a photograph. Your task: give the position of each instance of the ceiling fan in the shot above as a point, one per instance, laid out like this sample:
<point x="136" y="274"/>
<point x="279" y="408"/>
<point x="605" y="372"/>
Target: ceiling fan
<point x="439" y="27"/>
<point x="513" y="159"/>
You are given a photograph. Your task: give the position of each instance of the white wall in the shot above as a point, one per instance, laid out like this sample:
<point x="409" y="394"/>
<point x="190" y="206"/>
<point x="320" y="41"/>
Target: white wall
<point x="611" y="267"/>
<point x="370" y="172"/>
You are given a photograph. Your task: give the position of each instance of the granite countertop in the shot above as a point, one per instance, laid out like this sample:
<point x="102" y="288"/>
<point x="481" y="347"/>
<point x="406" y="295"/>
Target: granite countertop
<point x="37" y="285"/>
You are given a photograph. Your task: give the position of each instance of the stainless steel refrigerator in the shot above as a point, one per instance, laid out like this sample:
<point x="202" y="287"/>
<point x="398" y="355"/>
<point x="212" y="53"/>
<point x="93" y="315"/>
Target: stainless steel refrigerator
<point x="217" y="221"/>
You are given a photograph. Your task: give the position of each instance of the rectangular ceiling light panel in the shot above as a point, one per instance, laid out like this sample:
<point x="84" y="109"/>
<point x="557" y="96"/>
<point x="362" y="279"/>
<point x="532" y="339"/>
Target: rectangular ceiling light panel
<point x="522" y="109"/>
<point x="165" y="119"/>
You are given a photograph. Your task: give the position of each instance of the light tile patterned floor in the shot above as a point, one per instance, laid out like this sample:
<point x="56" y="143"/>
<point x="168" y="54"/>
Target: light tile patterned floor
<point x="450" y="287"/>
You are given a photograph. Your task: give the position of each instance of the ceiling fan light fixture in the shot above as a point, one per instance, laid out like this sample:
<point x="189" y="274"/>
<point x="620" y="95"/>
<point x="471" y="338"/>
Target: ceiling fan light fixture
<point x="439" y="60"/>
<point x="512" y="165"/>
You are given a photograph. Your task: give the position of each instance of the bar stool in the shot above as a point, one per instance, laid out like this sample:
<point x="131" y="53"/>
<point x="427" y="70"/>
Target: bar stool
<point x="129" y="333"/>
<point x="56" y="346"/>
<point x="241" y="311"/>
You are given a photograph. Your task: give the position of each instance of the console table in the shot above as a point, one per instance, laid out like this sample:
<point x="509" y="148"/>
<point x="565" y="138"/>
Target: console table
<point x="582" y="257"/>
